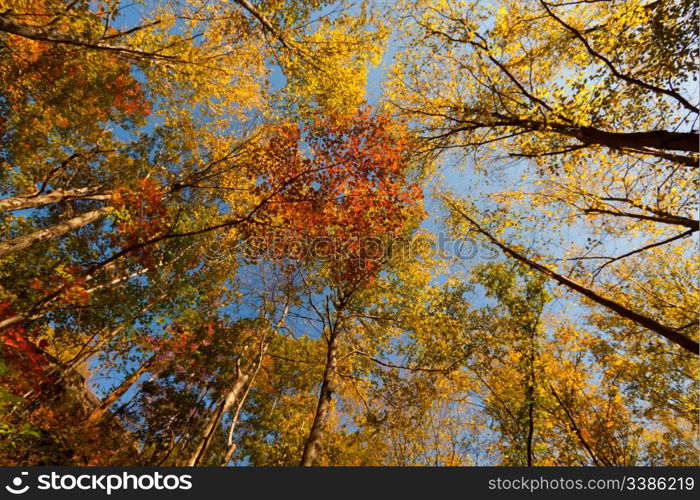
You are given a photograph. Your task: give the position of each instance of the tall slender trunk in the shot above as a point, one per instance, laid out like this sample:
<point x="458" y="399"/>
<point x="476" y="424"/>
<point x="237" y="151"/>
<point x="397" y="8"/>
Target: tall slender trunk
<point x="658" y="139"/>
<point x="210" y="428"/>
<point x="670" y="219"/>
<point x="670" y="334"/>
<point x="229" y="454"/>
<point x="117" y="393"/>
<point x="231" y="446"/>
<point x="573" y="426"/>
<point x="325" y="397"/>
<point x="40" y="33"/>
<point x="663" y="140"/>
<point x="39" y="313"/>
<point x="33" y="201"/>
<point x="25" y="241"/>
<point x="531" y="424"/>
<point x="531" y="399"/>
<point x="85" y="354"/>
<point x="264" y="343"/>
<point x="181" y="439"/>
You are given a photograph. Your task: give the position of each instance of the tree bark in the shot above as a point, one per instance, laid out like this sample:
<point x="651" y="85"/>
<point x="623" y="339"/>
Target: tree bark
<point x="214" y="419"/>
<point x="656" y="139"/>
<point x="264" y="343"/>
<point x="25" y="241"/>
<point x="531" y="396"/>
<point x="117" y="393"/>
<point x="39" y="33"/>
<point x="663" y="140"/>
<point x="652" y="142"/>
<point x="661" y="219"/>
<point x="670" y="334"/>
<point x="315" y="438"/>
<point x="39" y="200"/>
<point x="52" y="35"/>
<point x="574" y="427"/>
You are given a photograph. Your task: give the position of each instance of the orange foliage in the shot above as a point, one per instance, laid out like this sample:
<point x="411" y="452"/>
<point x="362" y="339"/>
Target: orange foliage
<point x="338" y="182"/>
<point x="20" y="353"/>
<point x="143" y="215"/>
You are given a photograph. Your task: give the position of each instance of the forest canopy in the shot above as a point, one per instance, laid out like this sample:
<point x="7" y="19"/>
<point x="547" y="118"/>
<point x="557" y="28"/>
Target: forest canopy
<point x="349" y="233"/>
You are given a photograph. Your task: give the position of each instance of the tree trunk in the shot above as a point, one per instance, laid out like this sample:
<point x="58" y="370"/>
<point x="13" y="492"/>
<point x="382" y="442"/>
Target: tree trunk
<point x="530" y="422"/>
<point x="240" y="400"/>
<point x="656" y="139"/>
<point x="39" y="33"/>
<point x="671" y="334"/>
<point x="117" y="393"/>
<point x="662" y="140"/>
<point x="315" y="438"/>
<point x="33" y="201"/>
<point x="23" y="242"/>
<point x="264" y="343"/>
<point x="575" y="428"/>
<point x="229" y="453"/>
<point x="50" y="34"/>
<point x="214" y="419"/>
<point x="674" y="220"/>
<point x="531" y="395"/>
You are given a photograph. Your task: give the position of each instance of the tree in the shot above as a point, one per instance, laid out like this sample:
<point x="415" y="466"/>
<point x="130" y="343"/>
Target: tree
<point x="583" y="105"/>
<point x="216" y="250"/>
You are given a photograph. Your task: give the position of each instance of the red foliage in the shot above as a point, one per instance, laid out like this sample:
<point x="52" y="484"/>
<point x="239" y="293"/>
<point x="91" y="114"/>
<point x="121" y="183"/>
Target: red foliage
<point x="26" y="360"/>
<point x="72" y="285"/>
<point x="64" y="439"/>
<point x="339" y="183"/>
<point x="147" y="216"/>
